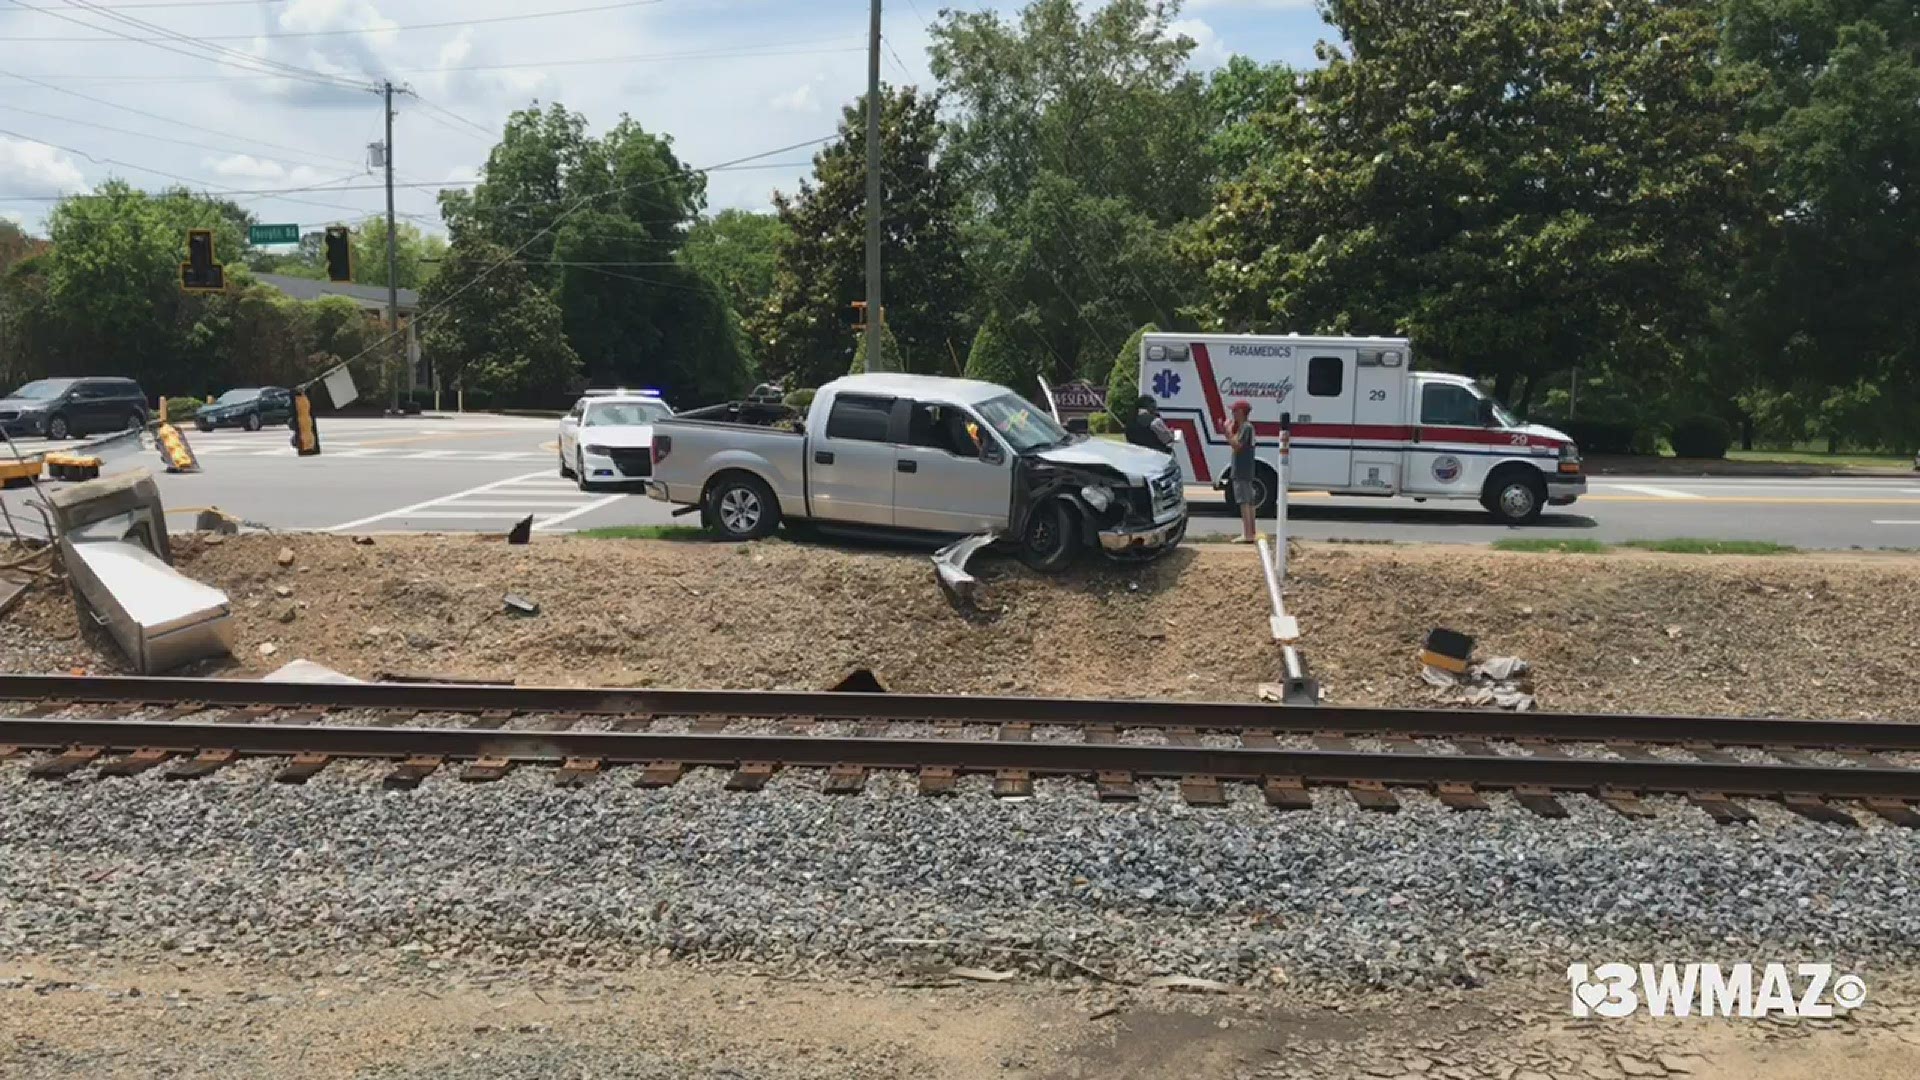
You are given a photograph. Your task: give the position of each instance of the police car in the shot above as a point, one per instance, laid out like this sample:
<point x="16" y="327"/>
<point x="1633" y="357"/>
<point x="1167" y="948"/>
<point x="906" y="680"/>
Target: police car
<point x="607" y="437"/>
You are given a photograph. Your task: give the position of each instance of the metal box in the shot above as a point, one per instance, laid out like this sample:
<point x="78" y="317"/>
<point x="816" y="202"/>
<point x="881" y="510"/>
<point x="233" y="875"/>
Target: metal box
<point x="160" y="618"/>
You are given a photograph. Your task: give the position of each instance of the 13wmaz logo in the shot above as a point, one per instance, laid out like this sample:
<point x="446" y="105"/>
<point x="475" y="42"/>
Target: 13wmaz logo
<point x="1618" y="990"/>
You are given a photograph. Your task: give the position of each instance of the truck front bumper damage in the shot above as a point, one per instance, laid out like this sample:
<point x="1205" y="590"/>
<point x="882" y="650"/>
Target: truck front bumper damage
<point x="1126" y="539"/>
<point x="1563" y="489"/>
<point x="950" y="566"/>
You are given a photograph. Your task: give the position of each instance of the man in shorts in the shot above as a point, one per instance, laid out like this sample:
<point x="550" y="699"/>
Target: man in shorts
<point x="1240" y="438"/>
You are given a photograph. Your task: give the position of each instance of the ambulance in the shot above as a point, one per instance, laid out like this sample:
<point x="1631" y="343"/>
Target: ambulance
<point x="1363" y="422"/>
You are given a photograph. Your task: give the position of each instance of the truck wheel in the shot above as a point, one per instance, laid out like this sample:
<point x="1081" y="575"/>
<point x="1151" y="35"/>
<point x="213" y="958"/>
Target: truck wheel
<point x="1051" y="537"/>
<point x="1266" y="493"/>
<point x="742" y="507"/>
<point x="1515" y="496"/>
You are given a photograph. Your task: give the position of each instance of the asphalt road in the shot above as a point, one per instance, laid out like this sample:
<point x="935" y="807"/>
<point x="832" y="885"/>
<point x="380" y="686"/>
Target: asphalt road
<point x="482" y="473"/>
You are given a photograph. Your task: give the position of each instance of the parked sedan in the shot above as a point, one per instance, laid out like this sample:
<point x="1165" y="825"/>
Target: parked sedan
<point x="609" y="438"/>
<point x="250" y="409"/>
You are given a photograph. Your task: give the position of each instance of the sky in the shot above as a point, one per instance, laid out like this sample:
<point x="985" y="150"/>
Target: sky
<point x="185" y="100"/>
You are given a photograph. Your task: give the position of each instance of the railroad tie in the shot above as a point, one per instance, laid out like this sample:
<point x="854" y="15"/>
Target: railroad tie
<point x="304" y="767"/>
<point x="204" y="763"/>
<point x="1202" y="791"/>
<point x="409" y="773"/>
<point x="137" y="762"/>
<point x="1539" y="800"/>
<point x="1012" y="784"/>
<point x="1372" y="795"/>
<point x="1722" y="810"/>
<point x="1259" y="740"/>
<point x="750" y="776"/>
<point x="576" y="771"/>
<point x="845" y="779"/>
<point x="1626" y="802"/>
<point x="491" y="719"/>
<point x="1458" y="796"/>
<point x="485" y="769"/>
<point x="659" y="774"/>
<point x="1016" y="731"/>
<point x="1815" y="808"/>
<point x="1895" y="812"/>
<point x="1100" y="735"/>
<point x="66" y="763"/>
<point x="1111" y="786"/>
<point x="1287" y="793"/>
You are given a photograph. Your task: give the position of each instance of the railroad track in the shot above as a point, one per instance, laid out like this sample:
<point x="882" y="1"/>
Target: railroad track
<point x="193" y="727"/>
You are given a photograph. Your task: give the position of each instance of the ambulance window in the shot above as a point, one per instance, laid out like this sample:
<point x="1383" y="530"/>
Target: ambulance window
<point x="1445" y="403"/>
<point x="1324" y="376"/>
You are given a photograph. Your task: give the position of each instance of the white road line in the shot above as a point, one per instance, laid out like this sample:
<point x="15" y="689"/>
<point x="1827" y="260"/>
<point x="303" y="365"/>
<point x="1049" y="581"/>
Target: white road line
<point x="502" y="516"/>
<point x="1897" y="523"/>
<point x="1660" y="492"/>
<point x="516" y="504"/>
<point x="357" y="522"/>
<point x="571" y="514"/>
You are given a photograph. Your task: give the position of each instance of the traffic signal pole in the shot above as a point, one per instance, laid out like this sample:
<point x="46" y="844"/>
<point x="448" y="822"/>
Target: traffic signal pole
<point x="876" y="360"/>
<point x="393" y="272"/>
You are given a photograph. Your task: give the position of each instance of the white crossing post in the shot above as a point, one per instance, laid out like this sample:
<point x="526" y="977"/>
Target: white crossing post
<point x="1280" y="499"/>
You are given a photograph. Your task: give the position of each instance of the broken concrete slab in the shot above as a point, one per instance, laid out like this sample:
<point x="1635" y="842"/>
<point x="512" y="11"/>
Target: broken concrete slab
<point x="306" y="671"/>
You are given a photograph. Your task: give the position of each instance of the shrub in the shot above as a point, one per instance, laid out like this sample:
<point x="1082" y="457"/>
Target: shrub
<point x="1701" y="436"/>
<point x="1123" y="379"/>
<point x="1598" y="436"/>
<point x="183" y="408"/>
<point x="995" y="359"/>
<point x="799" y="399"/>
<point x="1102" y="424"/>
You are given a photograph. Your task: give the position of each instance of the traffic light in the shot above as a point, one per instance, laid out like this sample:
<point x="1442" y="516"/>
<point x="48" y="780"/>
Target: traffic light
<point x="339" y="253"/>
<point x="306" y="434"/>
<point x="858" y="321"/>
<point x="200" y="273"/>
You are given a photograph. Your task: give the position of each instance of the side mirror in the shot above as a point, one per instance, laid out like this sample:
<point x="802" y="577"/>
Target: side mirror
<point x="1486" y="413"/>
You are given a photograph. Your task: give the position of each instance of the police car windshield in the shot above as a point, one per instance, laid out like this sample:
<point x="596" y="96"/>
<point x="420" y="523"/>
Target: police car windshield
<point x="1024" y="425"/>
<point x="613" y="413"/>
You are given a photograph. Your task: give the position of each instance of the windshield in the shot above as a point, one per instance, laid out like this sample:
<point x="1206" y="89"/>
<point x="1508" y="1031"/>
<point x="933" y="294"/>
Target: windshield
<point x="1023" y="424"/>
<point x="235" y="397"/>
<point x="612" y="413"/>
<point x="42" y="389"/>
<point x="1501" y="416"/>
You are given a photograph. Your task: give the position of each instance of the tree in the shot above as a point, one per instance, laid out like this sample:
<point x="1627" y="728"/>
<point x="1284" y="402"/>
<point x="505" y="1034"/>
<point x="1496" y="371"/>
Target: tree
<point x="820" y="264"/>
<point x="889" y="347"/>
<point x="1123" y="379"/>
<point x="1082" y="143"/>
<point x="417" y="255"/>
<point x="493" y="330"/>
<point x="736" y="250"/>
<point x="1822" y="313"/>
<point x="995" y="358"/>
<point x="1518" y="187"/>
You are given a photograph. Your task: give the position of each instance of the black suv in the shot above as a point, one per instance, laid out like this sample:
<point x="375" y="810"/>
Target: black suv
<point x="64" y="408"/>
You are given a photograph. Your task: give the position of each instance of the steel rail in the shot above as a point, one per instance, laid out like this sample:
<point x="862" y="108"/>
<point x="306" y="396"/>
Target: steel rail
<point x="968" y="755"/>
<point x="825" y="705"/>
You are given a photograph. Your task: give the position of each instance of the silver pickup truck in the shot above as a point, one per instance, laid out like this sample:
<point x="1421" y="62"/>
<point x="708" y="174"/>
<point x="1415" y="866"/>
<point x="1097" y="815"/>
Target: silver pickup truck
<point x="919" y="454"/>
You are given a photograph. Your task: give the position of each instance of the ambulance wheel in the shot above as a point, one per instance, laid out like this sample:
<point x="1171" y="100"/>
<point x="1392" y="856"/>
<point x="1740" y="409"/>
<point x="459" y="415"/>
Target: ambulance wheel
<point x="1049" y="541"/>
<point x="1515" y="495"/>
<point x="1266" y="493"/>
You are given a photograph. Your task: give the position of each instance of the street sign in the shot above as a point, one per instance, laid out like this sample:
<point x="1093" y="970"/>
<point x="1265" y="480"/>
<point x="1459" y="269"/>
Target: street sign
<point x="273" y="234"/>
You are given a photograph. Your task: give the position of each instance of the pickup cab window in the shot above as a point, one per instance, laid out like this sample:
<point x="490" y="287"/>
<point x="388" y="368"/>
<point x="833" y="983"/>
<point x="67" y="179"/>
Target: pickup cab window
<point x="939" y="426"/>
<point x="1448" y="405"/>
<point x="860" y="418"/>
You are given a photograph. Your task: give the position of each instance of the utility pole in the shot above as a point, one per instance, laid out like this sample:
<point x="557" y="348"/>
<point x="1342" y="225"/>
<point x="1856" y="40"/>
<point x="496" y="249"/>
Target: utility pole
<point x="876" y="314"/>
<point x="393" y="272"/>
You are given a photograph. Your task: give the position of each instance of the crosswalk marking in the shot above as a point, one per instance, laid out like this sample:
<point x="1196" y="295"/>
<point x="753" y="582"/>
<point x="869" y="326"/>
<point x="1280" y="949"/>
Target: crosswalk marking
<point x="1661" y="492"/>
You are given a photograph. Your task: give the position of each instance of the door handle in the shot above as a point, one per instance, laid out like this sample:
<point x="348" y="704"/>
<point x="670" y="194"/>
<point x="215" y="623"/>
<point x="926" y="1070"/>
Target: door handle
<point x="823" y="457"/>
<point x="907" y="466"/>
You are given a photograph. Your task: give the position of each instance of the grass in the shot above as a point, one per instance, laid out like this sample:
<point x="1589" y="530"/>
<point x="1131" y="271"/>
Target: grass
<point x="646" y="532"/>
<point x="1683" y="545"/>
<point x="1686" y="545"/>
<point x="1553" y="547"/>
<point x="1816" y="457"/>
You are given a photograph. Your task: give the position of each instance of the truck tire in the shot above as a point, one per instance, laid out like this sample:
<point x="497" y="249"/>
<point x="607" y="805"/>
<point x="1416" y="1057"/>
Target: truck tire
<point x="1051" y="537"/>
<point x="741" y="507"/>
<point x="1515" y="495"/>
<point x="1266" y="492"/>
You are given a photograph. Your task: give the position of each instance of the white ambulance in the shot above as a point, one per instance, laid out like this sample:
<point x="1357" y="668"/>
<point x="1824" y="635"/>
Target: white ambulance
<point x="1364" y="422"/>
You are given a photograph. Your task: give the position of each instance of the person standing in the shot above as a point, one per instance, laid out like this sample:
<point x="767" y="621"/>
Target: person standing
<point x="1240" y="437"/>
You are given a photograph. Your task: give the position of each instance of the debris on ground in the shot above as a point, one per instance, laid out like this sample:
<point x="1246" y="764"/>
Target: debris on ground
<point x="1190" y="985"/>
<point x="515" y="604"/>
<point x="306" y="671"/>
<point x="284" y="557"/>
<point x="950" y="568"/>
<point x="1502" y="681"/>
<point x="522" y="531"/>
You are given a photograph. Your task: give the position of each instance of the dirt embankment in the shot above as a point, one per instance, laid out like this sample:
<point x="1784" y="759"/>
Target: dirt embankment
<point x="1814" y="636"/>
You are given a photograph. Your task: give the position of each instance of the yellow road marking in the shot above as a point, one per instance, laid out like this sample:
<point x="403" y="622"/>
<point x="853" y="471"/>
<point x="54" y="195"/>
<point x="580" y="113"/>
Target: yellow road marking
<point x="1749" y="500"/>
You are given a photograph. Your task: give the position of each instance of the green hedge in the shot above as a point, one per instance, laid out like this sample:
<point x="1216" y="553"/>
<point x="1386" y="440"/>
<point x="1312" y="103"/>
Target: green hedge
<point x="183" y="408"/>
<point x="1701" y="436"/>
<point x="1599" y="436"/>
<point x="1102" y="424"/>
<point x="799" y="399"/>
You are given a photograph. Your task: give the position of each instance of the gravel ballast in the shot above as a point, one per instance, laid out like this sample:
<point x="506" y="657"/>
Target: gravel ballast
<point x="791" y="879"/>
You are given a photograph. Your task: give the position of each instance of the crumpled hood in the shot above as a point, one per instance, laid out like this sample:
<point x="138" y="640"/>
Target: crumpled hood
<point x="625" y="436"/>
<point x="1136" y="462"/>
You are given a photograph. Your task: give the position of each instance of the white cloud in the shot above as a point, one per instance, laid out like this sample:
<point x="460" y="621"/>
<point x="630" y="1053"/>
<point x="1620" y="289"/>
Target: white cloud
<point x="1209" y="50"/>
<point x="31" y="168"/>
<point x="14" y="216"/>
<point x="800" y="99"/>
<point x="512" y="84"/>
<point x="262" y="172"/>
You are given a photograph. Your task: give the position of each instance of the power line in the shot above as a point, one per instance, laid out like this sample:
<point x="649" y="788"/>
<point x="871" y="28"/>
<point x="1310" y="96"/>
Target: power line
<point x="216" y="53"/>
<point x="337" y="32"/>
<point x="450" y="114"/>
<point x="156" y="138"/>
<point x="699" y="54"/>
<point x="582" y="201"/>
